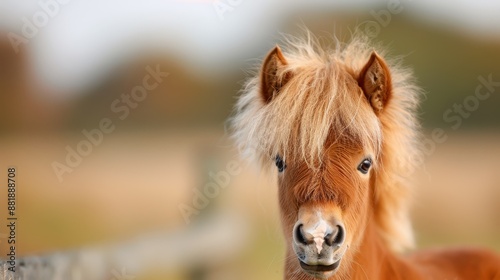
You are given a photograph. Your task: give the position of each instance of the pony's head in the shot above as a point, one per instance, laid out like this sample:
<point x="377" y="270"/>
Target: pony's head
<point x="340" y="128"/>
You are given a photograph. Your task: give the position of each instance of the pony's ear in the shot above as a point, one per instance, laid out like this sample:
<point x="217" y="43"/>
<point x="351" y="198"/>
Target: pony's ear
<point x="270" y="82"/>
<point x="375" y="81"/>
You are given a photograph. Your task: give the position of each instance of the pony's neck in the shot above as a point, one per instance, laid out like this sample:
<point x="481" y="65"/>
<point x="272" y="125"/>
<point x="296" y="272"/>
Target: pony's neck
<point x="373" y="260"/>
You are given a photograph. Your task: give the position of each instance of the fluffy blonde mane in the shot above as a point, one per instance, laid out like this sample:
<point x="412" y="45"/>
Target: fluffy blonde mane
<point x="320" y="101"/>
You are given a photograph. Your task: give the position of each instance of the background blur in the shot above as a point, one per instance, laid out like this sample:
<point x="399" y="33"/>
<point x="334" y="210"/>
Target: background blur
<point x="76" y="58"/>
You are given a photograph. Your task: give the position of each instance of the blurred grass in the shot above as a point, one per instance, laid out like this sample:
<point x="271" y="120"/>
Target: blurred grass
<point x="107" y="199"/>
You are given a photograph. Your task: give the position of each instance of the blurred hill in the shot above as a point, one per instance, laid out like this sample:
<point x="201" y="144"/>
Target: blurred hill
<point x="184" y="99"/>
<point x="447" y="65"/>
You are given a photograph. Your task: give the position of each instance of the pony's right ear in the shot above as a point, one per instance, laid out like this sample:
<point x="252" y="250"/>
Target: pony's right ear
<point x="270" y="82"/>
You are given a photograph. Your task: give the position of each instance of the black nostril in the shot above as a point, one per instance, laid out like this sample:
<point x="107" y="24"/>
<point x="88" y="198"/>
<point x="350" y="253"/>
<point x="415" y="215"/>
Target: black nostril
<point x="299" y="235"/>
<point x="337" y="237"/>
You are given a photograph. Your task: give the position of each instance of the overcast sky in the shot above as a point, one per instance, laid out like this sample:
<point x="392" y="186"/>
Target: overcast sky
<point x="86" y="38"/>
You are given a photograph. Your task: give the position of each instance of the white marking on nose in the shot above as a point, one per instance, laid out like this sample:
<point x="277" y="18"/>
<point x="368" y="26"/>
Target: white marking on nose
<point x="319" y="233"/>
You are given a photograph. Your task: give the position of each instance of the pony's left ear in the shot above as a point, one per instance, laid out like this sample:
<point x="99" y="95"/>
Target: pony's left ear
<point x="375" y="81"/>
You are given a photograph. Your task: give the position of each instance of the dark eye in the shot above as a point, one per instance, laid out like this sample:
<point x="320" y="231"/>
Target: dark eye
<point x="365" y="165"/>
<point x="280" y="163"/>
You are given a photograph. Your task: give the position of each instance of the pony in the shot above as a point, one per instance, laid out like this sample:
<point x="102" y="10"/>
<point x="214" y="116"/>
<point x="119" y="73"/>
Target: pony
<point x="340" y="124"/>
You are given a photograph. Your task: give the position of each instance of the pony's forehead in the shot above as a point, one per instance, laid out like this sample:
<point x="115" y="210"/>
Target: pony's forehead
<point x="320" y="105"/>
